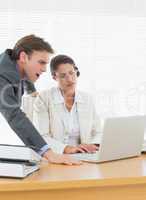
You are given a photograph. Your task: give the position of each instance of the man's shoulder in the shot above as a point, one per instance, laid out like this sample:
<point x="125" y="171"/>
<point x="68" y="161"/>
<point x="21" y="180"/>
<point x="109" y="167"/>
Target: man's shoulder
<point x="5" y="58"/>
<point x="8" y="69"/>
<point x="10" y="76"/>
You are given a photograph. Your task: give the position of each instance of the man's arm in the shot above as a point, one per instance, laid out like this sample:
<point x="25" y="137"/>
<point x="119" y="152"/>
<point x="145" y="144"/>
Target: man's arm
<point x="10" y="109"/>
<point x="29" y="86"/>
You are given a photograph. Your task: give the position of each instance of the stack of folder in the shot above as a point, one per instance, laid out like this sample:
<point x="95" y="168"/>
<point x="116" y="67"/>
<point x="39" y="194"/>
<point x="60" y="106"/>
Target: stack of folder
<point x="18" y="161"/>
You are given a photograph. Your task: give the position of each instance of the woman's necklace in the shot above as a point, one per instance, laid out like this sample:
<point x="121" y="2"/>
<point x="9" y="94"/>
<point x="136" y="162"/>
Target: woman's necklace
<point x="68" y="100"/>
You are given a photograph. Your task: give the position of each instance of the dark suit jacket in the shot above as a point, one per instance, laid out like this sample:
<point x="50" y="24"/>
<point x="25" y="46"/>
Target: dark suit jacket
<point x="10" y="100"/>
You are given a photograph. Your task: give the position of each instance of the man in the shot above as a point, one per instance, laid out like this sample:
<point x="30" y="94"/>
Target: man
<point x="26" y="61"/>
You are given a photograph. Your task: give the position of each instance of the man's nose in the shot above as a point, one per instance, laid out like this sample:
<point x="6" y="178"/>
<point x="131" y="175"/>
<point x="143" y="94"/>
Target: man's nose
<point x="44" y="69"/>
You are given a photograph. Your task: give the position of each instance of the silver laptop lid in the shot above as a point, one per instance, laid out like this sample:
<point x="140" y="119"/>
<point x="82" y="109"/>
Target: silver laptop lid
<point x="122" y="137"/>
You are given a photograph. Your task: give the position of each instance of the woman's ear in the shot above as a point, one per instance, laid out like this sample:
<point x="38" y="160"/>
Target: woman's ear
<point x="77" y="71"/>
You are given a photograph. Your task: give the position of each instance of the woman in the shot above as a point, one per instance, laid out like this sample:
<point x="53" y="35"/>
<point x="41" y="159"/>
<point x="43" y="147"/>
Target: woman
<point x="66" y="117"/>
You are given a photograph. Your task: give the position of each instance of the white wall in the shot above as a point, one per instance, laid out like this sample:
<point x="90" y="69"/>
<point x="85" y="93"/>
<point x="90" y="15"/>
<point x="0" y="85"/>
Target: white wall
<point x="106" y="38"/>
<point x="118" y="7"/>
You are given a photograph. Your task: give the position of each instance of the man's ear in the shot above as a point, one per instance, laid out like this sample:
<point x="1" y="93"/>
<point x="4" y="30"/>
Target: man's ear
<point x="23" y="56"/>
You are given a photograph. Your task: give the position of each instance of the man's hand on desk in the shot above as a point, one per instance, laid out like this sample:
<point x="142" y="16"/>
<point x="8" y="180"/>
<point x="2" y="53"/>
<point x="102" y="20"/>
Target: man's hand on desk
<point x="82" y="148"/>
<point x="60" y="158"/>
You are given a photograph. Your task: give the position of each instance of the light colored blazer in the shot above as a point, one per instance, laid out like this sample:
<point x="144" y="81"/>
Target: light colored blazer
<point x="47" y="120"/>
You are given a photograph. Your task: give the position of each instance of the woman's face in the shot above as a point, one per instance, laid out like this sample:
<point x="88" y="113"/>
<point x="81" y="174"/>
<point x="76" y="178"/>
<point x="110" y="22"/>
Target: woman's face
<point x="66" y="77"/>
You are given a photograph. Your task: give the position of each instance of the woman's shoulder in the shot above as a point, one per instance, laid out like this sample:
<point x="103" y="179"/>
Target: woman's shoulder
<point x="44" y="97"/>
<point x="49" y="94"/>
<point x="84" y="96"/>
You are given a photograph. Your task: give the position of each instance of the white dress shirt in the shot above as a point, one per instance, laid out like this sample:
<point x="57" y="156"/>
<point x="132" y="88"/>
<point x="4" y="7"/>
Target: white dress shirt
<point x="70" y="122"/>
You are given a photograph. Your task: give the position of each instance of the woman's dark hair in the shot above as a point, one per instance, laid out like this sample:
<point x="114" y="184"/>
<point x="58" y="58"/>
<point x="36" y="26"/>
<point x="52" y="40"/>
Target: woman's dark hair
<point x="28" y="44"/>
<point x="62" y="59"/>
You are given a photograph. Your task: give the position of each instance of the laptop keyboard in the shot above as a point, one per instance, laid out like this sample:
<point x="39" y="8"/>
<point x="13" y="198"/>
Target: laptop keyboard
<point x="86" y="156"/>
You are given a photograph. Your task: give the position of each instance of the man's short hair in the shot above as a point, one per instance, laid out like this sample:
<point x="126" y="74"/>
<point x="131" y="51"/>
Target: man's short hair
<point x="30" y="43"/>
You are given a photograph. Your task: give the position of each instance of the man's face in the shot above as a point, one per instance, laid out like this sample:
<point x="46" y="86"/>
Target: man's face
<point x="35" y="64"/>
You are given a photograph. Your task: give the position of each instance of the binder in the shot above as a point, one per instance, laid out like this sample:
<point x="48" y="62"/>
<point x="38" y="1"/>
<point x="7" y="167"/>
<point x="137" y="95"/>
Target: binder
<point x="16" y="169"/>
<point x="18" y="153"/>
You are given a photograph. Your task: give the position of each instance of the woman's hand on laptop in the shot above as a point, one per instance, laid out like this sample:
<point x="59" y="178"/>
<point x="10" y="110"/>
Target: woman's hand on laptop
<point x="81" y="148"/>
<point x="74" y="149"/>
<point x="89" y="148"/>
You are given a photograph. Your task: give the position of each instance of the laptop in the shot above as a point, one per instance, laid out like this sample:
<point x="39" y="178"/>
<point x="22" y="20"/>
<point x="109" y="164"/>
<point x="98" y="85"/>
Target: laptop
<point x="122" y="138"/>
